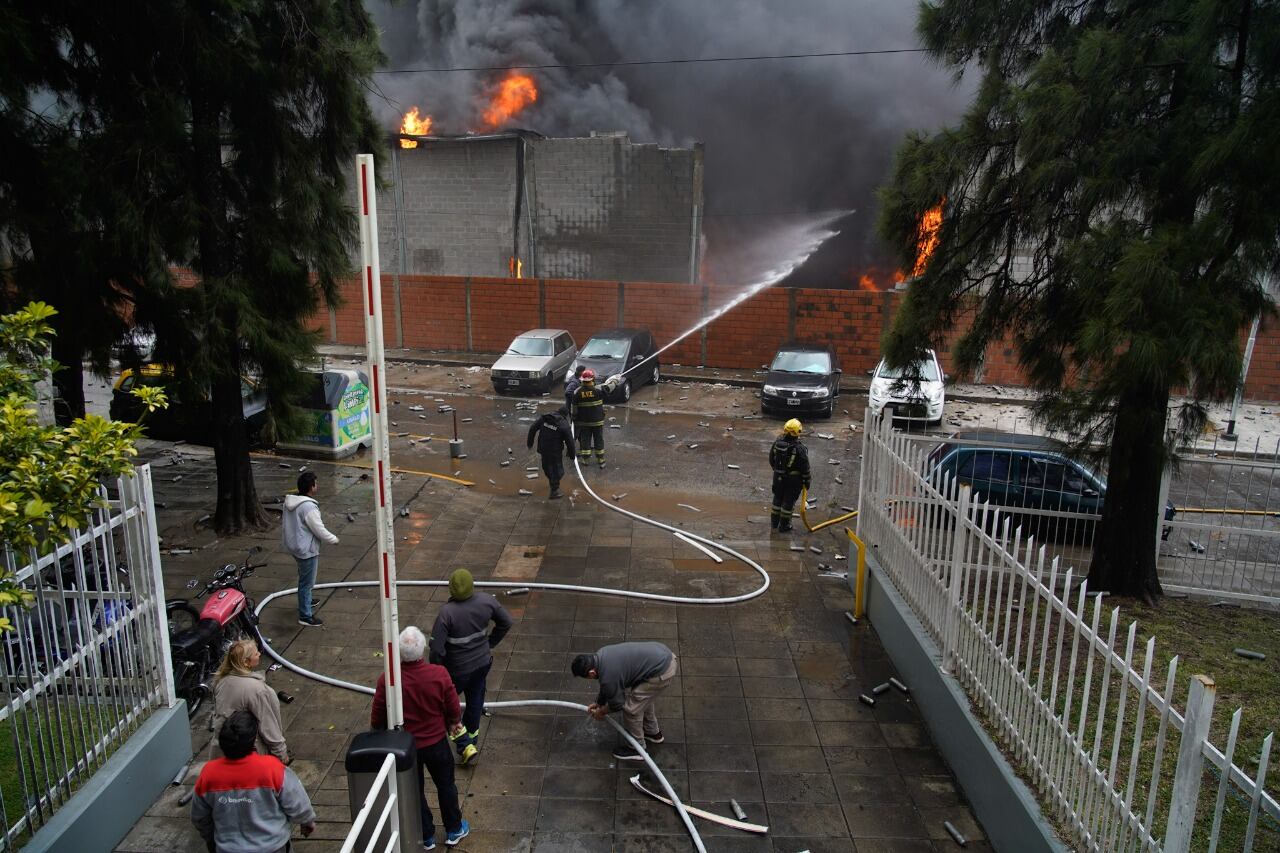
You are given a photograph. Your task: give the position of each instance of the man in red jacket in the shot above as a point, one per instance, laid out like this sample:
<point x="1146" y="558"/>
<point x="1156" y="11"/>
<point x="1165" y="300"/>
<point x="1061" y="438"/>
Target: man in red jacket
<point x="431" y="711"/>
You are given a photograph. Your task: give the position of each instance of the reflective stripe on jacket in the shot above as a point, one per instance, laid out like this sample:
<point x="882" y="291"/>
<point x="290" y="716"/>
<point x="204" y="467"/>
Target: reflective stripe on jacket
<point x="588" y="406"/>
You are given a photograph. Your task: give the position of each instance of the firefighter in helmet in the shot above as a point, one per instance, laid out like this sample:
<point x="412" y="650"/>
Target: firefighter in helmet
<point x="588" y="418"/>
<point x="790" y="463"/>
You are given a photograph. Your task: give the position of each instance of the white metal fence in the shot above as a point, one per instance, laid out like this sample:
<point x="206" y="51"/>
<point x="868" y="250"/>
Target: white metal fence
<point x="382" y="836"/>
<point x="87" y="663"/>
<point x="1087" y="722"/>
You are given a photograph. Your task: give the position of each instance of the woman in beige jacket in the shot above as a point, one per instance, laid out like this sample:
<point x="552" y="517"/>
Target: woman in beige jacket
<point x="240" y="688"/>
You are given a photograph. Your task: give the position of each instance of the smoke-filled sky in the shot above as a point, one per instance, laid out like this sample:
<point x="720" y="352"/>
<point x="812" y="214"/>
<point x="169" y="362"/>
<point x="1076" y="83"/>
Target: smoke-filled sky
<point x="783" y="138"/>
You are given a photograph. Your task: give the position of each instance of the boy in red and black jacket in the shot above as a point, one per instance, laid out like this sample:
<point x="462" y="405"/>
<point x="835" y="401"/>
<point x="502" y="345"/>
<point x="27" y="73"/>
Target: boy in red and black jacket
<point x="244" y="802"/>
<point x="431" y="711"/>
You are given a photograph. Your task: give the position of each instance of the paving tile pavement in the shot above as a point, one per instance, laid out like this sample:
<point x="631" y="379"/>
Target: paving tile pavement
<point x="765" y="710"/>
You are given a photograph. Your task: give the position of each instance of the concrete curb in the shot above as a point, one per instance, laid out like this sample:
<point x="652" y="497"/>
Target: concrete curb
<point x="1005" y="806"/>
<point x="100" y="814"/>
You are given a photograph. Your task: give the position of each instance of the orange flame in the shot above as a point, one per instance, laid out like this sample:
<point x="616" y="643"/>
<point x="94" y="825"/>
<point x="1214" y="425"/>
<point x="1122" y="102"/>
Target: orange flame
<point x="415" y="125"/>
<point x="513" y="94"/>
<point x="866" y="282"/>
<point x="927" y="237"/>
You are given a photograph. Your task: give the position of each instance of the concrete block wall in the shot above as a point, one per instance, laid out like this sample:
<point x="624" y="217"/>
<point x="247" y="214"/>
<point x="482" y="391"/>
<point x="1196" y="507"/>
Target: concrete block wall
<point x="458" y="210"/>
<point x="604" y="208"/>
<point x="432" y="312"/>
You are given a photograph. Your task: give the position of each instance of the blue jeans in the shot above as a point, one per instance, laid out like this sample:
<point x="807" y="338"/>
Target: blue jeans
<point x="470" y="686"/>
<point x="306" y="580"/>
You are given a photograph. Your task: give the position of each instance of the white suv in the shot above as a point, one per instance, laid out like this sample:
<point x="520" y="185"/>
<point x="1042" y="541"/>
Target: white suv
<point x="914" y="393"/>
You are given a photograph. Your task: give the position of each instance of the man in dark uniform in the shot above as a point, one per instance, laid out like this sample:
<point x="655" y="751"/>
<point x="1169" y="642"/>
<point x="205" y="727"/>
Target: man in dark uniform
<point x="588" y="418"/>
<point x="571" y="384"/>
<point x="790" y="463"/>
<point x="554" y="438"/>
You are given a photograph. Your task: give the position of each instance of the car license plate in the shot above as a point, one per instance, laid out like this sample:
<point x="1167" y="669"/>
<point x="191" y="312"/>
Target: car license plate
<point x="513" y="381"/>
<point x="793" y="401"/>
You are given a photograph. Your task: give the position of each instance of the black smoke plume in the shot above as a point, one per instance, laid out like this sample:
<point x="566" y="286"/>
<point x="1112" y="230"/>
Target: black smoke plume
<point x="785" y="139"/>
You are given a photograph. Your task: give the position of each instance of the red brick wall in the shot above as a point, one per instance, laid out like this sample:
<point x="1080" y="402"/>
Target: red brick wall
<point x="433" y="311"/>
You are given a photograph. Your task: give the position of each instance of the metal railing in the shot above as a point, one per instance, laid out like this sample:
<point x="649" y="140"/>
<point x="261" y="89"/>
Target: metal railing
<point x="86" y="664"/>
<point x="1223" y="541"/>
<point x="384" y="835"/>
<point x="1090" y="727"/>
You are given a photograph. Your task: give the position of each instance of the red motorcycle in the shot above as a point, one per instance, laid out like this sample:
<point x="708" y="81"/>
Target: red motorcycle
<point x="199" y="640"/>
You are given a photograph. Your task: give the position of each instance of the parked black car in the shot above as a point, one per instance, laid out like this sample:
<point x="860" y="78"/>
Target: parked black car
<point x="1030" y="472"/>
<point x="614" y="350"/>
<point x="802" y="378"/>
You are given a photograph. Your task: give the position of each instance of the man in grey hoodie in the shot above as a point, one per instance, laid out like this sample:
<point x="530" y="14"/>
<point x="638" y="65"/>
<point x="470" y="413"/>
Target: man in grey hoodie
<point x="631" y="676"/>
<point x="303" y="530"/>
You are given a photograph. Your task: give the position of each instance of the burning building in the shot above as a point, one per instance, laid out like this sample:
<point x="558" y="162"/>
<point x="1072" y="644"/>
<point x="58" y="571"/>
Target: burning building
<point x="515" y="203"/>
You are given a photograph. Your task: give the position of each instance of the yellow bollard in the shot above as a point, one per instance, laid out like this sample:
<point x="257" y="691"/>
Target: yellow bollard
<point x="860" y="576"/>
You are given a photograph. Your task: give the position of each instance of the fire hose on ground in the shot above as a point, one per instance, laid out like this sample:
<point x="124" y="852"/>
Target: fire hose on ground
<point x="699" y="541"/>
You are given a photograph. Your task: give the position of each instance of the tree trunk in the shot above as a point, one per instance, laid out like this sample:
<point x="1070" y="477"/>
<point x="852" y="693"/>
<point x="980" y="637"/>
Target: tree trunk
<point x="1124" y="556"/>
<point x="237" y="505"/>
<point x="68" y="380"/>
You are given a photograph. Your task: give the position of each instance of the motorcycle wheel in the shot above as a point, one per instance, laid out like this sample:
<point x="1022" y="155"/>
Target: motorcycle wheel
<point x="182" y="617"/>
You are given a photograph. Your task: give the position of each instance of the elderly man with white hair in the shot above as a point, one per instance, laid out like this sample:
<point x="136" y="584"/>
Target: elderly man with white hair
<point x="431" y="712"/>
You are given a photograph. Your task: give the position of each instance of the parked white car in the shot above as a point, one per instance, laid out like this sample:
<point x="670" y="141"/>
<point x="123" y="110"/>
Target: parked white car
<point x="914" y="393"/>
<point x="535" y="361"/>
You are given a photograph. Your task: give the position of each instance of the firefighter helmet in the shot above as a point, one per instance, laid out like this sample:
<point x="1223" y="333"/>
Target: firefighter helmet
<point x="588" y="375"/>
<point x="791" y="427"/>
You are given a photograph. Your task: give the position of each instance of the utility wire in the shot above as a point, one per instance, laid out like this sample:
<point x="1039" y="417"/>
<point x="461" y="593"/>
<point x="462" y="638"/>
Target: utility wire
<point x="630" y="62"/>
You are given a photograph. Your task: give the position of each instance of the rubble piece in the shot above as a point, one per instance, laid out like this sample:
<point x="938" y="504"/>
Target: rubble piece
<point x="898" y="684"/>
<point x="467" y="420"/>
<point x="866" y="700"/>
<point x="619" y="497"/>
<point x="531" y="476"/>
<point x="689" y="506"/>
<point x="833" y="461"/>
<point x="510" y="452"/>
<point x="524" y="492"/>
<point x="404" y="512"/>
<point x="615" y="426"/>
<point x="880" y="688"/>
<point x="840" y="576"/>
<point x="416" y="409"/>
<point x="838" y="480"/>
<point x="671" y="437"/>
<point x="826" y="436"/>
<point x="795" y="547"/>
<point x="520" y="590"/>
<point x="444" y="409"/>
<point x="491" y="482"/>
<point x="531" y="467"/>
<point x="179" y="477"/>
<point x="692" y="446"/>
<point x="852" y="619"/>
<point x="728" y="429"/>
<point x="737" y="810"/>
<point x="1195" y="546"/>
<point x="1252" y="655"/>
<point x="815" y="549"/>
<point x="954" y="833"/>
<point x="839" y="556"/>
<point x="733" y="467"/>
<point x="704" y="423"/>
<point x="351" y="517"/>
<point x="504" y="463"/>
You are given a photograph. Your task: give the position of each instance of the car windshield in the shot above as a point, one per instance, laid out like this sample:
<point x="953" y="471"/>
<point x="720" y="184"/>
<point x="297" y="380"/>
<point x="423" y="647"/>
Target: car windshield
<point x="801" y="361"/>
<point x="927" y="370"/>
<point x="530" y="346"/>
<point x="605" y="348"/>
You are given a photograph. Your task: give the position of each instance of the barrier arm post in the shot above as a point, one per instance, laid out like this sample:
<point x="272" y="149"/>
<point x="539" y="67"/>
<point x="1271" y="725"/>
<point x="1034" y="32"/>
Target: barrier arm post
<point x="375" y="353"/>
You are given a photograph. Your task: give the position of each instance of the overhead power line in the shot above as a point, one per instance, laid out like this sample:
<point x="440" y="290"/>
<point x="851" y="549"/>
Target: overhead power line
<point x="630" y="62"/>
